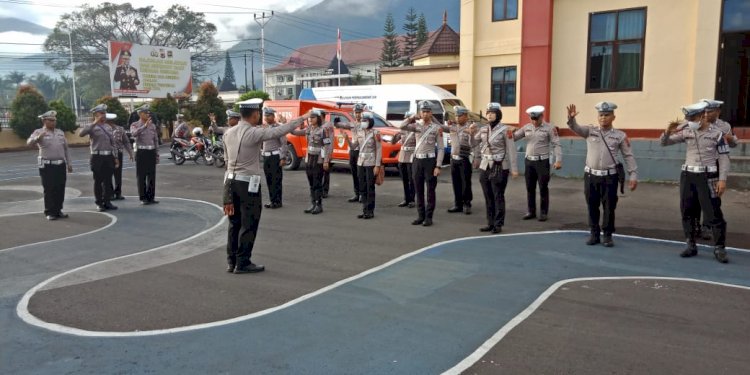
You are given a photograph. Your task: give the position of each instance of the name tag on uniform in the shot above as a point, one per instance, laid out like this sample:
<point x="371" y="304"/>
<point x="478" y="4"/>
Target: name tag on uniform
<point x="254" y="185"/>
<point x="326" y="141"/>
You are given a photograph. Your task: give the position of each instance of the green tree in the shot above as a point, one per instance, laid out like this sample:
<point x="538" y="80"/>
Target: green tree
<point x="92" y="85"/>
<point x="93" y="26"/>
<point x="390" y="55"/>
<point x="166" y="109"/>
<point x="250" y="95"/>
<point x="45" y="84"/>
<point x="114" y="106"/>
<point x="422" y="32"/>
<point x="410" y="38"/>
<point x="26" y="107"/>
<point x="228" y="83"/>
<point x="66" y="119"/>
<point x="17" y="78"/>
<point x="209" y="102"/>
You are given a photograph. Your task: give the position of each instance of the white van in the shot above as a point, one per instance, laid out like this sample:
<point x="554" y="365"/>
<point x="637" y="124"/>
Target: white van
<point x="389" y="101"/>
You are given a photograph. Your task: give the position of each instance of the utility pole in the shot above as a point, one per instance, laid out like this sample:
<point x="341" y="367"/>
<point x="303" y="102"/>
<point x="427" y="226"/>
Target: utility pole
<point x="252" y="68"/>
<point x="73" y="73"/>
<point x="246" y="88"/>
<point x="262" y="20"/>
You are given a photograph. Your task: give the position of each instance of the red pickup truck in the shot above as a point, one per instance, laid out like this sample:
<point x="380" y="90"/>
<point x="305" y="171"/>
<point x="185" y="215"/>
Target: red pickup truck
<point x="297" y="145"/>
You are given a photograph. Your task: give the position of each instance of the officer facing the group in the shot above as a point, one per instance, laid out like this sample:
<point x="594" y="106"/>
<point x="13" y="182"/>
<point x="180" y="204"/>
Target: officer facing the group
<point x="496" y="157"/>
<point x="122" y="144"/>
<point x="603" y="172"/>
<point x="317" y="159"/>
<point x="273" y="153"/>
<point x="408" y="141"/>
<point x="103" y="157"/>
<point x="54" y="162"/>
<point x="703" y="178"/>
<point x="146" y="155"/>
<point x="353" y="152"/>
<point x="242" y="196"/>
<point x="462" y="144"/>
<point x="367" y="141"/>
<point x="181" y="131"/>
<point x="233" y="118"/>
<point x="426" y="162"/>
<point x="542" y="141"/>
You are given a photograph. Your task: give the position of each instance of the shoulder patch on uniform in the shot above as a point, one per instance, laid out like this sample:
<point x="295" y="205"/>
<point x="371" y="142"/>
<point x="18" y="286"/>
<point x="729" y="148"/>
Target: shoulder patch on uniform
<point x="554" y="130"/>
<point x="377" y="135"/>
<point x="627" y="141"/>
<point x="510" y="133"/>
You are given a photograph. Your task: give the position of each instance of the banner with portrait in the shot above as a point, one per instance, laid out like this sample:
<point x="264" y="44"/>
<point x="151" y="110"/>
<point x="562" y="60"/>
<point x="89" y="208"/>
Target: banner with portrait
<point x="144" y="71"/>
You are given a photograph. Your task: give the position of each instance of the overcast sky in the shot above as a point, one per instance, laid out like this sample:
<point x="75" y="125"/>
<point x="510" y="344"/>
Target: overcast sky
<point x="223" y="13"/>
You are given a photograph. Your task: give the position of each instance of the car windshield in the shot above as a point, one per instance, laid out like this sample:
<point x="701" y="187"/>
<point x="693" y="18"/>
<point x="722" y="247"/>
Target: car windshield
<point x="379" y="121"/>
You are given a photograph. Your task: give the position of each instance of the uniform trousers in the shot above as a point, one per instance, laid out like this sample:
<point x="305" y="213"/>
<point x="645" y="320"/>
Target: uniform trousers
<point x="145" y="170"/>
<point x="353" y="156"/>
<point x="103" y="167"/>
<point x="697" y="194"/>
<point x="274" y="173"/>
<point x="494" y="180"/>
<point x="407" y="179"/>
<point x="537" y="171"/>
<point x="424" y="174"/>
<point x="243" y="225"/>
<point x="53" y="183"/>
<point x="367" y="183"/>
<point x="461" y="178"/>
<point x="117" y="190"/>
<point x="326" y="183"/>
<point x="601" y="191"/>
<point x="315" y="174"/>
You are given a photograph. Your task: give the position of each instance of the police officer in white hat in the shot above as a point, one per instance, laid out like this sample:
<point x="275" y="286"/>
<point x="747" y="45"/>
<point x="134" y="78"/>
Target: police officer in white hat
<point x="408" y="141"/>
<point x="703" y="178"/>
<point x="603" y="171"/>
<point x="317" y="158"/>
<point x="542" y="143"/>
<point x="462" y="143"/>
<point x="146" y="136"/>
<point x="713" y="111"/>
<point x="496" y="157"/>
<point x="353" y="151"/>
<point x="426" y="161"/>
<point x="122" y="144"/>
<point x="273" y="151"/>
<point x="233" y="118"/>
<point x="103" y="157"/>
<point x="53" y="162"/>
<point x="242" y="196"/>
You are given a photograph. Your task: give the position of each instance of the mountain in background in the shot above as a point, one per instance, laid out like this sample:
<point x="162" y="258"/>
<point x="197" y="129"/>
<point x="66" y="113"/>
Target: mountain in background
<point x="357" y="19"/>
<point x="17" y="24"/>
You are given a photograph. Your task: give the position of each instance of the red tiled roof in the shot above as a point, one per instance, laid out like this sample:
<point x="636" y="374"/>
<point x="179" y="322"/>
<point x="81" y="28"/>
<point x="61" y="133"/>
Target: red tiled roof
<point x="353" y="52"/>
<point x="442" y="42"/>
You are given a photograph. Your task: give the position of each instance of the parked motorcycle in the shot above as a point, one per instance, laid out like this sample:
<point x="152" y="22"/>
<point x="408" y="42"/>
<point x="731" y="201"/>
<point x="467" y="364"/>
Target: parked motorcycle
<point x="194" y="150"/>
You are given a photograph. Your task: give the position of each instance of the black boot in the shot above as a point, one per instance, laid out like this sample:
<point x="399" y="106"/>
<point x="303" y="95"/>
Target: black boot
<point x="353" y="199"/>
<point x="593" y="239"/>
<point x="486" y="229"/>
<point x="607" y="240"/>
<point x="691" y="250"/>
<point x="318" y="208"/>
<point x="720" y="254"/>
<point x="311" y="208"/>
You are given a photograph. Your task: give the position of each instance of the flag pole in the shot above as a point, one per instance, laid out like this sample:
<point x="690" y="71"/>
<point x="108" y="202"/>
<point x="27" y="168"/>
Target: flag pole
<point x="338" y="52"/>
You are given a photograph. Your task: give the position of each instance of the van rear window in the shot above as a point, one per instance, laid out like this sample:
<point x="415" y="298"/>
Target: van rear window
<point x="396" y="110"/>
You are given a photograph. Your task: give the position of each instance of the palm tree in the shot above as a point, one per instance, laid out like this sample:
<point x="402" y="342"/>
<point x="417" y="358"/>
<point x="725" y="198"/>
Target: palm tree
<point x="16" y="77"/>
<point x="45" y="84"/>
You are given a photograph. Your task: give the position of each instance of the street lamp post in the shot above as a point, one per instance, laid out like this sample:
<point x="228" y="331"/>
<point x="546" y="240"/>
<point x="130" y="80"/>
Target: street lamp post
<point x="73" y="73"/>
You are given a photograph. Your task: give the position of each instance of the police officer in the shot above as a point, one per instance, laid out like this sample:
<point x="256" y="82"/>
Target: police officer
<point x="147" y="155"/>
<point x="126" y="74"/>
<point x="703" y="178"/>
<point x="317" y="158"/>
<point x="602" y="171"/>
<point x="462" y="144"/>
<point x="273" y="160"/>
<point x="408" y="141"/>
<point x="233" y="118"/>
<point x="103" y="157"/>
<point x="496" y="158"/>
<point x="122" y="144"/>
<point x="370" y="156"/>
<point x="426" y="168"/>
<point x="54" y="162"/>
<point x="181" y="131"/>
<point x="542" y="140"/>
<point x="354" y="152"/>
<point x="328" y="128"/>
<point x="242" y="196"/>
<point x="713" y="111"/>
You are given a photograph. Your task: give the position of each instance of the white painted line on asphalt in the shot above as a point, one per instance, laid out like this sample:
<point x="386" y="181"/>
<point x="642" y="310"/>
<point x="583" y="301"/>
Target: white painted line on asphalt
<point x="112" y="218"/>
<point x="23" y="313"/>
<point x="518" y="319"/>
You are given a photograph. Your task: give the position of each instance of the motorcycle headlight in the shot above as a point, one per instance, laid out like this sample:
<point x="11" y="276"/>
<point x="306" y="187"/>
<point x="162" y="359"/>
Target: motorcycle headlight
<point x="387" y="138"/>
